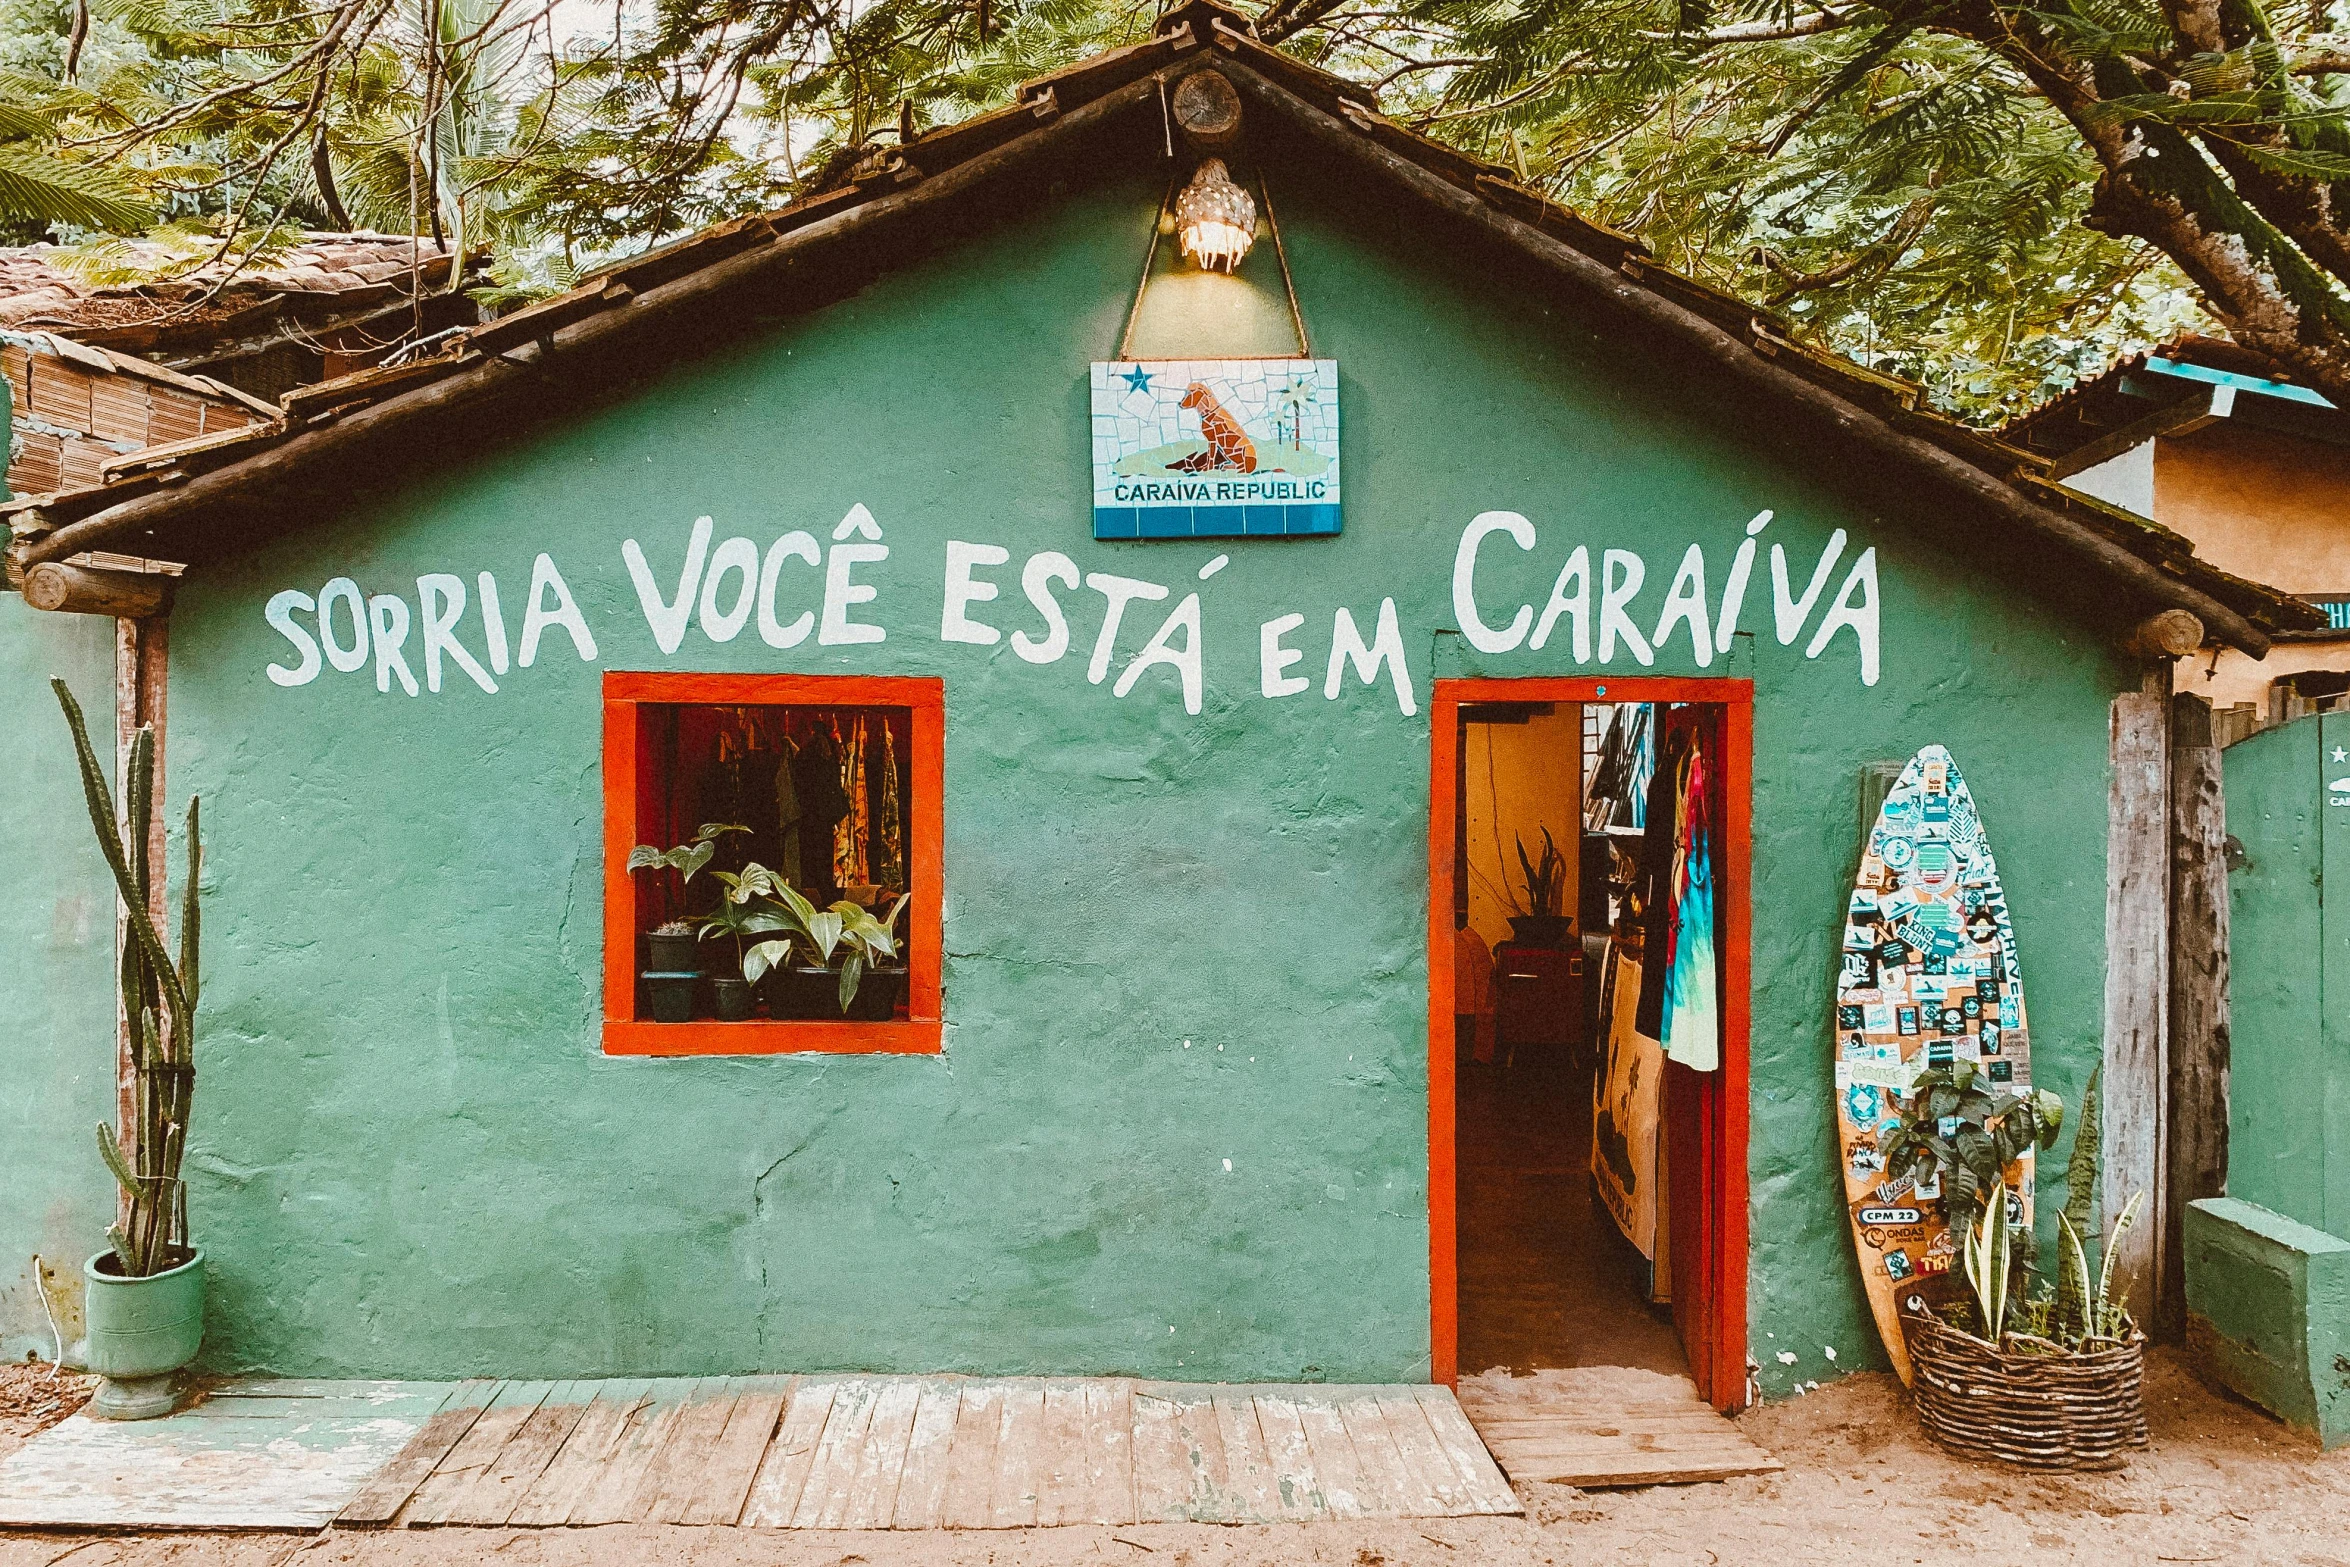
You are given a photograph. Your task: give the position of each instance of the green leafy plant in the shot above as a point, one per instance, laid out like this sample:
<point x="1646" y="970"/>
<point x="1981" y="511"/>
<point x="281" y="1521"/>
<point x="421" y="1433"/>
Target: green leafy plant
<point x="1989" y="1257"/>
<point x="1546" y="879"/>
<point x="2085" y="1307"/>
<point x="1997" y="1256"/>
<point x="159" y="999"/>
<point x="845" y="938"/>
<point x="1968" y="1135"/>
<point x="687" y="857"/>
<point x="747" y="908"/>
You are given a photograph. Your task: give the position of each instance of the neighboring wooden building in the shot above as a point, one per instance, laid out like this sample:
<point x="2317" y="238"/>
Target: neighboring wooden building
<point x="306" y="312"/>
<point x="862" y="519"/>
<point x="2201" y="436"/>
<point x="75" y="411"/>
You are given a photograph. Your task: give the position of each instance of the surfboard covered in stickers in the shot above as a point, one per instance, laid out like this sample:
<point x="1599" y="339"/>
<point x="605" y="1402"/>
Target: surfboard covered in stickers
<point x="1927" y="976"/>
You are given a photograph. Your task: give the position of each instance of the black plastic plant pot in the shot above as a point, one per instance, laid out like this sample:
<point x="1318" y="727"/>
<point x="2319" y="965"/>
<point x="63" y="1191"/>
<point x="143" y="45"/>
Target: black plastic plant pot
<point x="877" y="995"/>
<point x="803" y="994"/>
<point x="735" y="997"/>
<point x="670" y="997"/>
<point x="1541" y="930"/>
<point x="673" y="954"/>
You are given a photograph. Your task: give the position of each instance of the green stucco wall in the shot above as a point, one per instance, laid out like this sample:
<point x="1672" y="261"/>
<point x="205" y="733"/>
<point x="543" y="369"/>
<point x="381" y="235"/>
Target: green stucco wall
<point x="1173" y="940"/>
<point x="56" y="972"/>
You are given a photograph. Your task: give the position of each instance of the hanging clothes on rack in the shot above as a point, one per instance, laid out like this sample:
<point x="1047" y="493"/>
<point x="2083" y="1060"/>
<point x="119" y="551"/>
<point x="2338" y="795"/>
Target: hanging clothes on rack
<point x="889" y="865"/>
<point x="1680" y="984"/>
<point x="1692" y="1032"/>
<point x="1617" y="794"/>
<point x="787" y="814"/>
<point x="1655" y="889"/>
<point x="816" y="785"/>
<point x="734" y="789"/>
<point x="851" y="837"/>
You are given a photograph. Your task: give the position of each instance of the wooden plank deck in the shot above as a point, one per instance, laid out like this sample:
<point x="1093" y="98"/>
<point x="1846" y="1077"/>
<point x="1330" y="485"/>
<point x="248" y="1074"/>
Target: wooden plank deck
<point x="256" y="1455"/>
<point x="1601" y="1426"/>
<point x="860" y="1452"/>
<point x="813" y="1452"/>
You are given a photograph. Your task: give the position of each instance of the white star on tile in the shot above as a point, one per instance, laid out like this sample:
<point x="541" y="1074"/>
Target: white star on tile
<point x="2341" y="755"/>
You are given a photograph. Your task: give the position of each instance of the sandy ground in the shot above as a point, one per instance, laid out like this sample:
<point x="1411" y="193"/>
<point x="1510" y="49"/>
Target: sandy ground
<point x="2223" y="1484"/>
<point x="33" y="1397"/>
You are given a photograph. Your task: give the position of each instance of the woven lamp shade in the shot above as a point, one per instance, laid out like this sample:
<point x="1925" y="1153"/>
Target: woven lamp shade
<point x="1216" y="219"/>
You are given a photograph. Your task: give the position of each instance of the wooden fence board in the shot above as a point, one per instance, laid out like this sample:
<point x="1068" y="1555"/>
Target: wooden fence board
<point x="1109" y="1450"/>
<point x="824" y="1503"/>
<point x="1019" y="1456"/>
<point x="668" y="1490"/>
<point x="616" y="1492"/>
<point x="722" y="1481"/>
<point x="873" y="1494"/>
<point x="970" y="1487"/>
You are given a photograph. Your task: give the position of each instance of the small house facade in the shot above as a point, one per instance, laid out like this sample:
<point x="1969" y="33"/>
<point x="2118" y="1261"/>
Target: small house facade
<point x="1168" y="1085"/>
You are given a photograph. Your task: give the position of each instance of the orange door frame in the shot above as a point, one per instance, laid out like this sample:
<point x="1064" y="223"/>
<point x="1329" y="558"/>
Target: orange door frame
<point x="1721" y="1378"/>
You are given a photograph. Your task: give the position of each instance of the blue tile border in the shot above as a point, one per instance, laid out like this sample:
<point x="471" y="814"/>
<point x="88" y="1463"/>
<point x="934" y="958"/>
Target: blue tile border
<point x="1215" y="522"/>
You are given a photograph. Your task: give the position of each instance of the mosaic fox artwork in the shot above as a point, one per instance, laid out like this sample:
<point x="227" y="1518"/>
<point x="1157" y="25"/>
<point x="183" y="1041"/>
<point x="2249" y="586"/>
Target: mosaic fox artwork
<point x="1229" y="448"/>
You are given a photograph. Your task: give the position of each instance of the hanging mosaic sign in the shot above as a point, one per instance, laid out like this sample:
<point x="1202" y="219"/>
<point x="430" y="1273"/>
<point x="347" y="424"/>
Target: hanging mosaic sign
<point x="1215" y="448"/>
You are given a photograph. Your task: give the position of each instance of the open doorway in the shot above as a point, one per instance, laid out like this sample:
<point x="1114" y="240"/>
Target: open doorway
<point x="1588" y="1028"/>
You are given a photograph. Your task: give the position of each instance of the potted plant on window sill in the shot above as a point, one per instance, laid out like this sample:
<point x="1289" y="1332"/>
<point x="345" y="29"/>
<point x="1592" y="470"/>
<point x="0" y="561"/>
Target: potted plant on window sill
<point x="673" y="964"/>
<point x="748" y="907"/>
<point x="842" y="947"/>
<point x="144" y="1301"/>
<point x="674" y="947"/>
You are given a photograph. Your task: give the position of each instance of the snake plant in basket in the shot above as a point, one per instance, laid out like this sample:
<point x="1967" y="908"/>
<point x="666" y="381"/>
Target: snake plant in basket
<point x="2005" y="1371"/>
<point x="145" y="1298"/>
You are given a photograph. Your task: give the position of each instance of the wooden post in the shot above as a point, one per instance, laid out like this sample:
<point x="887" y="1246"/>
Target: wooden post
<point x="141" y="661"/>
<point x="2198" y="1078"/>
<point x="2137" y="980"/>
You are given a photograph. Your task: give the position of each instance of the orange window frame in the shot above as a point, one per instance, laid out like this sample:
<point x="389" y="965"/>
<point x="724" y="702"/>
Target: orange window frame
<point x="920" y="1031"/>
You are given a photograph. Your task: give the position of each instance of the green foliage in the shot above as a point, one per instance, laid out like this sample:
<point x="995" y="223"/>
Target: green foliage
<point x="2080" y="1204"/>
<point x="686" y="858"/>
<point x="1960" y="194"/>
<point x="740" y="922"/>
<point x="159" y="999"/>
<point x="1989" y="1257"/>
<point x="1545" y="882"/>
<point x="1968" y="1135"/>
<point x="845" y="938"/>
<point x="1997" y="1255"/>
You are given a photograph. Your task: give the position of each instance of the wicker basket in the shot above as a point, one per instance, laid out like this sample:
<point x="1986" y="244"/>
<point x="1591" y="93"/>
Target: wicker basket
<point x="2044" y="1411"/>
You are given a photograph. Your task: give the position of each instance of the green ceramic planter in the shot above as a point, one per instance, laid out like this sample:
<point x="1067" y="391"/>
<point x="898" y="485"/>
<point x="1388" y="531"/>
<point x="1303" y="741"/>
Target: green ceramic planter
<point x="140" y="1331"/>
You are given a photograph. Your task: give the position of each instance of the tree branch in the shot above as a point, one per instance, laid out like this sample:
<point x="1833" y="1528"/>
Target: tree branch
<point x="1764" y="32"/>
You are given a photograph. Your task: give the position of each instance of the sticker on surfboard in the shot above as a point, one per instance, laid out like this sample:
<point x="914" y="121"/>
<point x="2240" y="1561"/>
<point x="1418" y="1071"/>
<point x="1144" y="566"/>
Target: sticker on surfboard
<point x="1926" y="976"/>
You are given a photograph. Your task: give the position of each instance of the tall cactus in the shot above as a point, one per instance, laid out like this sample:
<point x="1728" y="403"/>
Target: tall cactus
<point x="159" y="999"/>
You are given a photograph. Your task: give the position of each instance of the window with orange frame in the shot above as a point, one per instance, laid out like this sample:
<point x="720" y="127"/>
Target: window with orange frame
<point x="762" y="835"/>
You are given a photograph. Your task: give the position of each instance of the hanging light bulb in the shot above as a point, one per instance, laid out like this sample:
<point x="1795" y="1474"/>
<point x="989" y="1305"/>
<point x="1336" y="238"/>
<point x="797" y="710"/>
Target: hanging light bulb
<point x="1216" y="218"/>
